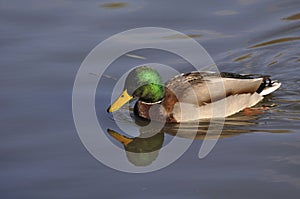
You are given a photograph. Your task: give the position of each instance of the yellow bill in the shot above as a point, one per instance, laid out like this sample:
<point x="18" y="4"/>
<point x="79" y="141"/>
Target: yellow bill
<point x="123" y="99"/>
<point x="121" y="138"/>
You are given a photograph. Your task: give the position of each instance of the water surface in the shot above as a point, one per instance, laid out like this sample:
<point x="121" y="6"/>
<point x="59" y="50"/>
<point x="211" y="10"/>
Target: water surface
<point x="42" y="46"/>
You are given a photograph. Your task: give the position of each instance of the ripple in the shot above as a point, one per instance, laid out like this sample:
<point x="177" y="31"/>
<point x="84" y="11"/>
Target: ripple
<point x="243" y="57"/>
<point x="226" y="12"/>
<point x="115" y="5"/>
<point x="272" y="63"/>
<point x="275" y="41"/>
<point x="292" y="17"/>
<point x="179" y="36"/>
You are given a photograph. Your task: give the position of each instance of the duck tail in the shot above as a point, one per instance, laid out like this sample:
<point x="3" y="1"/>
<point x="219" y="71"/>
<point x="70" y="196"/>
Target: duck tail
<point x="268" y="86"/>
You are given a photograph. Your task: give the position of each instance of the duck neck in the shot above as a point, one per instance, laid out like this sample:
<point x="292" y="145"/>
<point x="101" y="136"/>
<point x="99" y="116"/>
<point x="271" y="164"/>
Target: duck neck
<point x="142" y="110"/>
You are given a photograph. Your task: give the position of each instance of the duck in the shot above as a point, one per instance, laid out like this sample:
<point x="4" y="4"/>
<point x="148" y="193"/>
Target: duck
<point x="191" y="96"/>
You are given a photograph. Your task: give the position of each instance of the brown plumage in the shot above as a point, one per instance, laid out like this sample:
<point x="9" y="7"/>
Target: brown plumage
<point x="193" y="95"/>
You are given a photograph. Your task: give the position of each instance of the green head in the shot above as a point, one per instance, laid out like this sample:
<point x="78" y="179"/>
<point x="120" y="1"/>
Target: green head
<point x="144" y="83"/>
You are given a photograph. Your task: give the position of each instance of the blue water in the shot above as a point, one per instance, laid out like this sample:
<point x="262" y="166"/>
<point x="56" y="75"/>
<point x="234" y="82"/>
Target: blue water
<point x="42" y="46"/>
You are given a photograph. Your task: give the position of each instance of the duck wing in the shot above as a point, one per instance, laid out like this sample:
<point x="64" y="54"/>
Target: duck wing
<point x="203" y="95"/>
<point x="209" y="86"/>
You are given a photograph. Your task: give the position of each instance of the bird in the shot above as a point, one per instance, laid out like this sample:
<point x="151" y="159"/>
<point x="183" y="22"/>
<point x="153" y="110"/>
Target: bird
<point x="191" y="96"/>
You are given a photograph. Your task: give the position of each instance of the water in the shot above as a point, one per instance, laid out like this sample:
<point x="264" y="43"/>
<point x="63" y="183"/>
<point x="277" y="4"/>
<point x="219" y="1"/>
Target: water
<point x="42" y="46"/>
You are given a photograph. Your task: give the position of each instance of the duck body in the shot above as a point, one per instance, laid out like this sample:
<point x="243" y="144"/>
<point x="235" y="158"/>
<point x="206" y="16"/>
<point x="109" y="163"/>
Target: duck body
<point x="204" y="95"/>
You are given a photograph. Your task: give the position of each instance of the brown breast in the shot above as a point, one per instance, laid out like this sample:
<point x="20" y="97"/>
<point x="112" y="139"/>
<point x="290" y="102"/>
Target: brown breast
<point x="160" y="111"/>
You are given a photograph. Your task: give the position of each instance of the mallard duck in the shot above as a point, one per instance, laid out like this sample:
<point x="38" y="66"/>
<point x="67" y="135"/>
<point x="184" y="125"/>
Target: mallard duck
<point x="192" y="96"/>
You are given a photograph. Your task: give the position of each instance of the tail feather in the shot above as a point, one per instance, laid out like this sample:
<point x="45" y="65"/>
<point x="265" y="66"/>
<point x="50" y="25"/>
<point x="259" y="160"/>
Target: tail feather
<point x="268" y="86"/>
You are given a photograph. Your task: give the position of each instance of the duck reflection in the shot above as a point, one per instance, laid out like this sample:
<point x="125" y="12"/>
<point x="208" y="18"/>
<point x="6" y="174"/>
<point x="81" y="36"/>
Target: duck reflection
<point x="140" y="151"/>
<point x="144" y="149"/>
<point x="232" y="126"/>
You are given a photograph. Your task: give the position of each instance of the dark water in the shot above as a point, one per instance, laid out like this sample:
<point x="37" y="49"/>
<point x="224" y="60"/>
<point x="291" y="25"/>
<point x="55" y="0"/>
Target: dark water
<point x="42" y="46"/>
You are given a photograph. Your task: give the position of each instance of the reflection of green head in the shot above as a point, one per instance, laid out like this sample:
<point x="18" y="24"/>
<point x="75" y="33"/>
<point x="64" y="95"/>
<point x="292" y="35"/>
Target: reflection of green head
<point x="140" y="151"/>
<point x="143" y="151"/>
<point x="145" y="83"/>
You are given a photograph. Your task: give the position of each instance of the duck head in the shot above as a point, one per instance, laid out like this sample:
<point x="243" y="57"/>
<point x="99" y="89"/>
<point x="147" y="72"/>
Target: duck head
<point x="143" y="83"/>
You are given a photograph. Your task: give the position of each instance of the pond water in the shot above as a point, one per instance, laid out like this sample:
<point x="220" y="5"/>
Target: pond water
<point x="43" y="44"/>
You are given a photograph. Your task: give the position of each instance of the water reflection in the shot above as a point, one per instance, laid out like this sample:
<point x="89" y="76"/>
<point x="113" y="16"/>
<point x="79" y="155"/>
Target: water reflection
<point x="226" y="12"/>
<point x="179" y="36"/>
<point x="243" y="57"/>
<point x="292" y="17"/>
<point x="275" y="41"/>
<point x="140" y="151"/>
<point x="115" y="5"/>
<point x="272" y="175"/>
<point x="272" y="63"/>
<point x="144" y="149"/>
